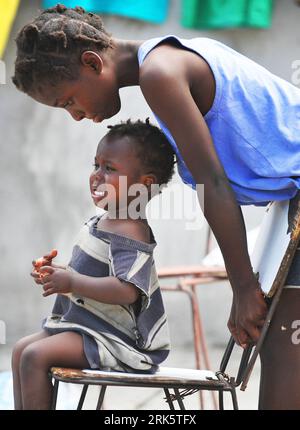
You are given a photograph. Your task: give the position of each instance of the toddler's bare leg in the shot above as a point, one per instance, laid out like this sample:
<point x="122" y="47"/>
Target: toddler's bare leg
<point x="63" y="349"/>
<point x="15" y="364"/>
<point x="280" y="356"/>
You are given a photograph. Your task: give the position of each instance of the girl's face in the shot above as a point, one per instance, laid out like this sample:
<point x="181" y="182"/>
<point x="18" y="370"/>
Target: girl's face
<point x="117" y="168"/>
<point x="94" y="95"/>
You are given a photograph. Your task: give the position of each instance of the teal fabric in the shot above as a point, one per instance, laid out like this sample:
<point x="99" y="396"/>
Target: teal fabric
<point x="147" y="10"/>
<point x="226" y="13"/>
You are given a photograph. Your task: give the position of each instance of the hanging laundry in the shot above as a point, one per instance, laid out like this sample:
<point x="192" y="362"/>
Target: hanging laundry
<point x="211" y="14"/>
<point x="8" y="11"/>
<point x="147" y="10"/>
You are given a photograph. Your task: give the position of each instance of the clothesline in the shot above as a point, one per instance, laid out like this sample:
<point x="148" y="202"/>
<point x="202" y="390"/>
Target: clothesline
<point x="194" y="13"/>
<point x="198" y="14"/>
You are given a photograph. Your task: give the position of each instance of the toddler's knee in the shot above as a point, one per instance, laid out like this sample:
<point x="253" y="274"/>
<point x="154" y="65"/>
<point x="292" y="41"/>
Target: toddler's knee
<point x="18" y="350"/>
<point x="30" y="359"/>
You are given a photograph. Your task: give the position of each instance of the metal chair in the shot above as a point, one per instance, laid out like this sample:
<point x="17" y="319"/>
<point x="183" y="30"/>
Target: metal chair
<point x="183" y="382"/>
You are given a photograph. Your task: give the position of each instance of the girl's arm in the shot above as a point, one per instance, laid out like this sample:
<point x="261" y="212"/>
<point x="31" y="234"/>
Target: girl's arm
<point x="168" y="93"/>
<point x="108" y="289"/>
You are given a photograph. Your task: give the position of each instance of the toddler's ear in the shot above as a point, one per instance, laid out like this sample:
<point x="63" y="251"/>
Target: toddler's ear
<point x="93" y="60"/>
<point x="149" y="179"/>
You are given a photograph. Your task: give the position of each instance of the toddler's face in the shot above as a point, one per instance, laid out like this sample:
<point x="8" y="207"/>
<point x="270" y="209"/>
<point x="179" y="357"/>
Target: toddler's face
<point x="117" y="168"/>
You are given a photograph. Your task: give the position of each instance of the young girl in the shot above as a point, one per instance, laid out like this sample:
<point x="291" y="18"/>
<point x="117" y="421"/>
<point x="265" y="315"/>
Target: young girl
<point x="108" y="313"/>
<point x="234" y="125"/>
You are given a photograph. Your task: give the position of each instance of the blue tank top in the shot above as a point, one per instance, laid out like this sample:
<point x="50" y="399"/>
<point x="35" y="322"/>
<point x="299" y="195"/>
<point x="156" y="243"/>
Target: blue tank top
<point x="254" y="123"/>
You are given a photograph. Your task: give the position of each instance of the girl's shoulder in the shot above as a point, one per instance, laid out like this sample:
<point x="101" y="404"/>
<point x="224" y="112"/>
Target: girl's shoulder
<point x="170" y="61"/>
<point x="168" y="51"/>
<point x="165" y="56"/>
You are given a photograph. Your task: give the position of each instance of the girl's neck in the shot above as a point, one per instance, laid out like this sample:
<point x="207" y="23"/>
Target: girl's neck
<point x="124" y="56"/>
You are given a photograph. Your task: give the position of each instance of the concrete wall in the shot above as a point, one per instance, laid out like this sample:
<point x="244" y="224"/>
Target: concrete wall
<point x="46" y="159"/>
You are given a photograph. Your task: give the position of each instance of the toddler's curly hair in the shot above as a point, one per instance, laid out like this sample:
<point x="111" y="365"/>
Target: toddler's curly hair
<point x="152" y="147"/>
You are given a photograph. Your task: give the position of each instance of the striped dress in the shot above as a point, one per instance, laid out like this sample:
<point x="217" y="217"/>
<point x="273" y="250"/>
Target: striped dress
<point x="115" y="337"/>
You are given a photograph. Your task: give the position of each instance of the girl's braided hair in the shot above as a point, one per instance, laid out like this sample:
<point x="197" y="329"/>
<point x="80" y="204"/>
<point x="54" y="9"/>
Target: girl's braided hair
<point x="151" y="145"/>
<point x="49" y="48"/>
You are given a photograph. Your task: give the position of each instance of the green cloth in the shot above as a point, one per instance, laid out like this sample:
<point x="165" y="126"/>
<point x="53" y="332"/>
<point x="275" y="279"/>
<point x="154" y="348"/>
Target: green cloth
<point x="212" y="14"/>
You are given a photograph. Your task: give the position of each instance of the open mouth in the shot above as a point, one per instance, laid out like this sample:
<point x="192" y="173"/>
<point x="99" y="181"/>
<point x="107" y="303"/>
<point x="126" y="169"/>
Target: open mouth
<point x="99" y="192"/>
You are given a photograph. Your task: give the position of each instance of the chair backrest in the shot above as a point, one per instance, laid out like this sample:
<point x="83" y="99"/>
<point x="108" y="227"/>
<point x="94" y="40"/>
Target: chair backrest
<point x="243" y="363"/>
<point x="276" y="243"/>
<point x="275" y="271"/>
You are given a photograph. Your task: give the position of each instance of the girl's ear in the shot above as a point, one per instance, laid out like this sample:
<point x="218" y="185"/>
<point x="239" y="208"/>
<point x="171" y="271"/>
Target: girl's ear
<point x="93" y="60"/>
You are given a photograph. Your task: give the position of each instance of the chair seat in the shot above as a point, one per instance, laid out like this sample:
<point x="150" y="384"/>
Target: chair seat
<point x="164" y="376"/>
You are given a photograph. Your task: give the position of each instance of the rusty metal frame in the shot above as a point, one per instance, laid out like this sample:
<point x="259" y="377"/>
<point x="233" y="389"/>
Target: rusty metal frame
<point x="181" y="388"/>
<point x="77" y="377"/>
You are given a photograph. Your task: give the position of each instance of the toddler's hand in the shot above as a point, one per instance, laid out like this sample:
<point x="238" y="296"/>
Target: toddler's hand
<point x="46" y="260"/>
<point x="55" y="280"/>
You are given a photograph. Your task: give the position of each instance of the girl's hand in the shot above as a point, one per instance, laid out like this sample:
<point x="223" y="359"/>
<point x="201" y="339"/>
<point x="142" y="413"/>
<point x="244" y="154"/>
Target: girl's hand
<point x="247" y="316"/>
<point x="55" y="280"/>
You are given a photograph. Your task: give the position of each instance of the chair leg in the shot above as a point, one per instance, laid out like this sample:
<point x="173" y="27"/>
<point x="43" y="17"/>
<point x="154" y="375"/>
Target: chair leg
<point x="82" y="397"/>
<point x="199" y="342"/>
<point x="54" y="394"/>
<point x="197" y="336"/>
<point x="234" y="399"/>
<point x="101" y="397"/>
<point x="168" y="398"/>
<point x="179" y="399"/>
<point x="221" y="400"/>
